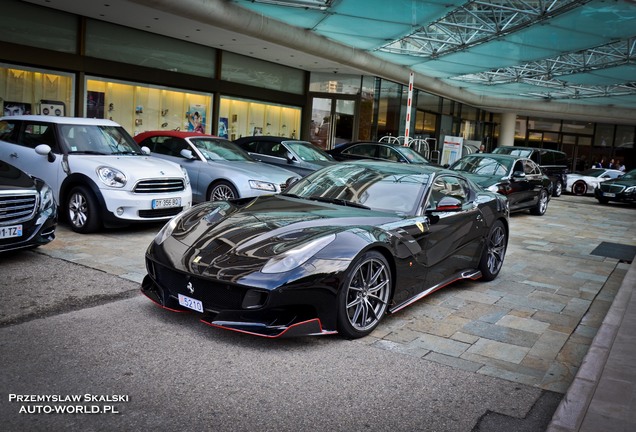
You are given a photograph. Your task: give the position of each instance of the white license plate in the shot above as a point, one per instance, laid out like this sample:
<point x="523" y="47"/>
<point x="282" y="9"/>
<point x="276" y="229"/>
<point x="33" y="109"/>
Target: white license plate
<point x="609" y="194"/>
<point x="166" y="203"/>
<point x="190" y="303"/>
<point x="11" y="231"/>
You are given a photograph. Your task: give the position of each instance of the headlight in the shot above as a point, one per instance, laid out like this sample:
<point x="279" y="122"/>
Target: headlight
<point x="111" y="177"/>
<point x="261" y="185"/>
<point x="293" y="258"/>
<point x="493" y="188"/>
<point x="46" y="198"/>
<point x="185" y="176"/>
<point x="630" y="189"/>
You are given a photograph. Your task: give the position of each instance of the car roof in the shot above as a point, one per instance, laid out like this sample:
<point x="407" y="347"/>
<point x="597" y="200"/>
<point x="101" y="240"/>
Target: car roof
<point x="175" y="134"/>
<point x="511" y="148"/>
<point x="400" y="168"/>
<point x="496" y="156"/>
<point x="63" y="120"/>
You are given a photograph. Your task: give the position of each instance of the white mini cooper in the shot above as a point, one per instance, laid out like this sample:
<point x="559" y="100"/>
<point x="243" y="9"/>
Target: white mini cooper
<point x="99" y="175"/>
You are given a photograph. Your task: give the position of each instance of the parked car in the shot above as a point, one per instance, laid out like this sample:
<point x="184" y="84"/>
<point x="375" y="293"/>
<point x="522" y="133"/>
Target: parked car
<point x="586" y="181"/>
<point x="518" y="178"/>
<point x="218" y="168"/>
<point x="98" y="174"/>
<point x="380" y="151"/>
<point x="554" y="163"/>
<point x="334" y="253"/>
<point x="28" y="212"/>
<point x="302" y="157"/>
<point x="622" y="189"/>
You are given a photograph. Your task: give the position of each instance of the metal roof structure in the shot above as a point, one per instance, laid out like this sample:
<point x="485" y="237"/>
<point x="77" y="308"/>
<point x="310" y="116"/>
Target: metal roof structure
<point x="556" y="57"/>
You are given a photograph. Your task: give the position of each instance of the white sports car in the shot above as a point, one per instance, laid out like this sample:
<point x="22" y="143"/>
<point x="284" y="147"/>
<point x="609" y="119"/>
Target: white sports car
<point x="585" y="182"/>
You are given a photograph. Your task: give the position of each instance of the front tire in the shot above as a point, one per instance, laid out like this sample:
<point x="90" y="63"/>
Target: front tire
<point x="579" y="188"/>
<point x="542" y="204"/>
<point x="492" y="257"/>
<point x="83" y="211"/>
<point x="222" y="191"/>
<point x="364" y="295"/>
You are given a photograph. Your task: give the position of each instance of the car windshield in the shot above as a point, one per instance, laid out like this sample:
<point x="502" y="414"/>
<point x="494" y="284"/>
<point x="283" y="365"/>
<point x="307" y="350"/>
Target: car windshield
<point x="219" y="149"/>
<point x="93" y="139"/>
<point x="412" y="155"/>
<point x="631" y="175"/>
<point x="513" y="151"/>
<point x="307" y="151"/>
<point x="388" y="191"/>
<point x="483" y="165"/>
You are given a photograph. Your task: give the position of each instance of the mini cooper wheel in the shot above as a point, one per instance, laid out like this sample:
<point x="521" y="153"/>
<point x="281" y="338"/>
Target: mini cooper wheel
<point x="364" y="295"/>
<point x="579" y="188"/>
<point x="542" y="204"/>
<point x="83" y="210"/>
<point x="222" y="191"/>
<point x="494" y="252"/>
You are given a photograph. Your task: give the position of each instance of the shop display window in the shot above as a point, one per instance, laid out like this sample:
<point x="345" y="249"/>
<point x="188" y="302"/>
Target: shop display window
<point x="25" y="91"/>
<point x="239" y="118"/>
<point x="139" y="108"/>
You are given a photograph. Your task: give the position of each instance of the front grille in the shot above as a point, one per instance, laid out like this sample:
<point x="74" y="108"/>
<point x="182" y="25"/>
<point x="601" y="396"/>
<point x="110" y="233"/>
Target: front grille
<point x="168" y="212"/>
<point x="17" y="207"/>
<point x="612" y="188"/>
<point x="215" y="295"/>
<point x="159" y="186"/>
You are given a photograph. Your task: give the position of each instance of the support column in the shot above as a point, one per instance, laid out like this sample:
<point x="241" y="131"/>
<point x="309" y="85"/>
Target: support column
<point x="507" y="131"/>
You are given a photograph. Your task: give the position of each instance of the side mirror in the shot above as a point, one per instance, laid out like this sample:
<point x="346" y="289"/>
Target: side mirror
<point x="289" y="157"/>
<point x="518" y="175"/>
<point x="145" y="150"/>
<point x="291" y="181"/>
<point x="186" y="153"/>
<point x="45" y="150"/>
<point x="449" y="203"/>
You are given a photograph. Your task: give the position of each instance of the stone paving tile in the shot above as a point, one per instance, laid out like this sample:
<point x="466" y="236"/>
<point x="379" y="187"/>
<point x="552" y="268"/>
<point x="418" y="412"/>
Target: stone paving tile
<point x="498" y="350"/>
<point x="444" y="328"/>
<point x="441" y="345"/>
<point x="455" y="362"/>
<point x="502" y="334"/>
<point x="525" y="324"/>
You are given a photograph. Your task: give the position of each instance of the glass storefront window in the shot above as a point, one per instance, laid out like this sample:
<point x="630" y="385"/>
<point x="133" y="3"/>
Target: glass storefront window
<point x="624" y="137"/>
<point x="260" y="73"/>
<point x="604" y="136"/>
<point x="38" y="27"/>
<point x="389" y="109"/>
<point x="578" y="127"/>
<point x="334" y="83"/>
<point x="239" y="118"/>
<point x="123" y="44"/>
<point x="140" y="108"/>
<point x="29" y="91"/>
<point x="544" y="124"/>
<point x="427" y="101"/>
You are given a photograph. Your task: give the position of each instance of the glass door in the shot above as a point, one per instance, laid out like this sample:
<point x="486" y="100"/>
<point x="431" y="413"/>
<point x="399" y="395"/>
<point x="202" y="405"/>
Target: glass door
<point x="332" y="121"/>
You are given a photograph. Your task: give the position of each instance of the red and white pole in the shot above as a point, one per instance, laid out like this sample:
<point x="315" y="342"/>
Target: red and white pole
<point x="408" y="110"/>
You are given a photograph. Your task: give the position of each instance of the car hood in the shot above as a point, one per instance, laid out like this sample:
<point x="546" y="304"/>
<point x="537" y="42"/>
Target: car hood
<point x="12" y="178"/>
<point x="621" y="181"/>
<point x="231" y="241"/>
<point x="258" y="170"/>
<point x="134" y="167"/>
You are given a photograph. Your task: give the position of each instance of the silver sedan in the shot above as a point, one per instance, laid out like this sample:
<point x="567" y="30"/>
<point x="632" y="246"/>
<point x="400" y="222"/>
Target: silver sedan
<point x="218" y="169"/>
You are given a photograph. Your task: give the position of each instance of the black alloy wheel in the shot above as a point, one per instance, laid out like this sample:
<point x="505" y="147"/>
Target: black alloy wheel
<point x="492" y="257"/>
<point x="579" y="188"/>
<point x="364" y="295"/>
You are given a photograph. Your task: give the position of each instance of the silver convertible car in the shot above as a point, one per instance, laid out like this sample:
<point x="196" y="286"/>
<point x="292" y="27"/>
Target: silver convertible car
<point x="218" y="168"/>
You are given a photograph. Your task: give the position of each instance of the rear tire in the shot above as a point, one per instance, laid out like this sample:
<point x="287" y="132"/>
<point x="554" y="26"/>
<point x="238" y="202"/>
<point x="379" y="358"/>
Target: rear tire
<point x="82" y="210"/>
<point x="579" y="188"/>
<point x="542" y="204"/>
<point x="558" y="189"/>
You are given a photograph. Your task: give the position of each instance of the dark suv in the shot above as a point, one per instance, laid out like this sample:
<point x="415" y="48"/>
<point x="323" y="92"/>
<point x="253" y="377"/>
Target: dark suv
<point x="552" y="162"/>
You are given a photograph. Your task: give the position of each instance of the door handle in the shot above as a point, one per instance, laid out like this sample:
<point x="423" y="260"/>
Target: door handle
<point x="14" y="155"/>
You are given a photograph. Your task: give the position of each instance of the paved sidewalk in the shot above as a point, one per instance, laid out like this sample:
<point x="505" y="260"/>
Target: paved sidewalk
<point x="602" y="396"/>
